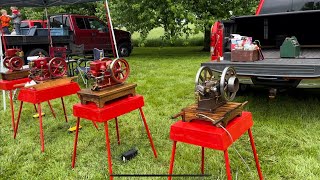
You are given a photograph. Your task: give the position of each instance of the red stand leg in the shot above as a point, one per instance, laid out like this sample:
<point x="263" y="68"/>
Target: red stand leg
<point x="75" y="144"/>
<point x="148" y="132"/>
<point x="54" y="114"/>
<point x="172" y="159"/>
<point x="17" y="124"/>
<point x="255" y="154"/>
<point x="95" y="125"/>
<point x="41" y="129"/>
<point x="64" y="109"/>
<point x="202" y="160"/>
<point x="108" y="148"/>
<point x="228" y="170"/>
<point x="12" y="111"/>
<point x="117" y="129"/>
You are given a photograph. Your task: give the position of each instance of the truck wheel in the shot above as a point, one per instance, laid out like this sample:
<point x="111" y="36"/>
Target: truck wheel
<point x="124" y="50"/>
<point x="37" y="52"/>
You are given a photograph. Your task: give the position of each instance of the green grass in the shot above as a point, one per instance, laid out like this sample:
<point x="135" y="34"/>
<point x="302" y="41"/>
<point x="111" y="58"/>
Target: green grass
<point x="154" y="39"/>
<point x="286" y="130"/>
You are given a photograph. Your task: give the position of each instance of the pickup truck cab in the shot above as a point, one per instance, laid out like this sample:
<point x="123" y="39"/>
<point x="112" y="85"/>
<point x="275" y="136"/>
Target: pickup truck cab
<point x="67" y="30"/>
<point x="93" y="33"/>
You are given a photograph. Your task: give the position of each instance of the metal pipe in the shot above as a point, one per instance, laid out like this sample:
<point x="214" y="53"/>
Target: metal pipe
<point x="111" y="29"/>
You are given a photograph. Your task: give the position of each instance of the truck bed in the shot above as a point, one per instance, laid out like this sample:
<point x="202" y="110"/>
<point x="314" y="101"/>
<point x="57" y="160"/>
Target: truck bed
<point x="14" y="40"/>
<point x="306" y="66"/>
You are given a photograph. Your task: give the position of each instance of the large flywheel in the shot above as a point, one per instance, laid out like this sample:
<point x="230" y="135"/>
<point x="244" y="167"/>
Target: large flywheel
<point x="120" y="70"/>
<point x="229" y="84"/>
<point x="57" y="67"/>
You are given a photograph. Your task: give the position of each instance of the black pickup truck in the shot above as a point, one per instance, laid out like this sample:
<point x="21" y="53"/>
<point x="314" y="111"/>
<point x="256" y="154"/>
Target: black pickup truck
<point x="273" y="22"/>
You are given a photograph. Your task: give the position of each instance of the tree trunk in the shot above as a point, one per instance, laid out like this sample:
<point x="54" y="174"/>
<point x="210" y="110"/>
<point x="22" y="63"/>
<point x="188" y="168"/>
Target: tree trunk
<point x="206" y="40"/>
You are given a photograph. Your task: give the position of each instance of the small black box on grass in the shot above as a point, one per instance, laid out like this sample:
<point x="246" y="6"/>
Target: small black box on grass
<point x="129" y="154"/>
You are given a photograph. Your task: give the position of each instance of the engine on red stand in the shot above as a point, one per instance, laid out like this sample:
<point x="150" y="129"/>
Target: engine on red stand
<point x="12" y="60"/>
<point x="45" y="68"/>
<point x="107" y="72"/>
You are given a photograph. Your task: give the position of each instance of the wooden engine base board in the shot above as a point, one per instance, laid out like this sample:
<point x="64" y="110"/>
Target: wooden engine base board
<point x="107" y="94"/>
<point x="24" y="73"/>
<point x="222" y="115"/>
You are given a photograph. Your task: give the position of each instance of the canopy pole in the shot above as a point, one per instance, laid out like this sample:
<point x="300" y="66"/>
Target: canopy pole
<point x="2" y="70"/>
<point x="110" y="27"/>
<point x="48" y="24"/>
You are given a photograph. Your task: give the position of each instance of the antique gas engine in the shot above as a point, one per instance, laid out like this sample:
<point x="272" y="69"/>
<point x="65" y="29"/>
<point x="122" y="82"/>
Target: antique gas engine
<point x="12" y="60"/>
<point x="107" y="72"/>
<point x="212" y="92"/>
<point x="45" y="68"/>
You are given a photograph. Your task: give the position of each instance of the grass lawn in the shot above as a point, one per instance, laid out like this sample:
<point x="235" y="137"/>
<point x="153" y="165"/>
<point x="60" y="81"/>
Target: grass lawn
<point x="286" y="130"/>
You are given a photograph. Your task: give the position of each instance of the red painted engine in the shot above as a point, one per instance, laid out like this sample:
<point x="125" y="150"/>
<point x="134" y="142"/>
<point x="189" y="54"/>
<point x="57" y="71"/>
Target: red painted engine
<point x="107" y="72"/>
<point x="12" y="61"/>
<point x="45" y="68"/>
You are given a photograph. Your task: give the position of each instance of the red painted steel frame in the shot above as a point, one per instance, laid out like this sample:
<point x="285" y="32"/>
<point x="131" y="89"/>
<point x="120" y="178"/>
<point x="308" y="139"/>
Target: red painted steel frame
<point x="9" y="86"/>
<point x="38" y="96"/>
<point x="205" y="135"/>
<point x="109" y="112"/>
<point x="259" y="7"/>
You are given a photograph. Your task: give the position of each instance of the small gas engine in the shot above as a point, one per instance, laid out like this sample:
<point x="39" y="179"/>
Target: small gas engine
<point x="212" y="92"/>
<point x="107" y="72"/>
<point x="12" y="60"/>
<point x="45" y="68"/>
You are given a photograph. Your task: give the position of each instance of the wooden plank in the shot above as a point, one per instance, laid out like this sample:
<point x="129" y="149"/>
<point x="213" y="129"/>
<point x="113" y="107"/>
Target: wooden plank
<point x="220" y="116"/>
<point x="9" y="76"/>
<point x="107" y="94"/>
<point x="54" y="82"/>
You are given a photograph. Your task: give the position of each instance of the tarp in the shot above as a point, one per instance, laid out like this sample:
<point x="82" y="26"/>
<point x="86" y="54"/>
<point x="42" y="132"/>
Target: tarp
<point x="41" y="3"/>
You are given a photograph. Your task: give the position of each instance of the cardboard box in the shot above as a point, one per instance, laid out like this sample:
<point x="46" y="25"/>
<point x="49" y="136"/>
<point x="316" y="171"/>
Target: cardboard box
<point x="240" y="55"/>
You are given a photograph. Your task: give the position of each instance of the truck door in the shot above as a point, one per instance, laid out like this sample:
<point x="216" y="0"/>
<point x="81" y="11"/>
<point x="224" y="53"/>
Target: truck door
<point x="83" y="33"/>
<point x="100" y="33"/>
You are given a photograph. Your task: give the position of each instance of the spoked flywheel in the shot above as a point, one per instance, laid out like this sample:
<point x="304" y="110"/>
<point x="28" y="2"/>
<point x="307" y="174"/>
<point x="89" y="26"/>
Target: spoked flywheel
<point x="229" y="84"/>
<point x="120" y="70"/>
<point x="57" y="67"/>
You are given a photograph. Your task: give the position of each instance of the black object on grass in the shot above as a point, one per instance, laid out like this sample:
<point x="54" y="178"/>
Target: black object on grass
<point x="129" y="154"/>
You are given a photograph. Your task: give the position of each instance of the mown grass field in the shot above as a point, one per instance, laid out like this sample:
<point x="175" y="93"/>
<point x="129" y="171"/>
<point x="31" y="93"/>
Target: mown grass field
<point x="286" y="130"/>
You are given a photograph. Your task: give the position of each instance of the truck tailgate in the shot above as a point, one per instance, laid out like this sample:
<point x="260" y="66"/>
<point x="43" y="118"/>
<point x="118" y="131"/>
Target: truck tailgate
<point x="306" y="66"/>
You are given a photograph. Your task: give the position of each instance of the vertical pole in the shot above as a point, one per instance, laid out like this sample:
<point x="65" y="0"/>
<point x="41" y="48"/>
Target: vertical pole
<point x="75" y="144"/>
<point x="12" y="110"/>
<point x="227" y="162"/>
<point x="255" y="154"/>
<point x="172" y="159"/>
<point x="117" y="129"/>
<point x="202" y="160"/>
<point x="17" y="124"/>
<point x="2" y="69"/>
<point x="110" y="26"/>
<point x="108" y="149"/>
<point x="41" y="129"/>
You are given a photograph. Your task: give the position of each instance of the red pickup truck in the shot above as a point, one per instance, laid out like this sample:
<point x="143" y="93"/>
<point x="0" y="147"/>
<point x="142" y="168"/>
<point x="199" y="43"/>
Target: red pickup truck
<point x="66" y="30"/>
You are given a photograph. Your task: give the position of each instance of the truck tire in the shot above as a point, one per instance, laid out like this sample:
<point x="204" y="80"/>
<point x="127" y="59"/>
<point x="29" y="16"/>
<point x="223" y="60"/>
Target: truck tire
<point x="37" y="51"/>
<point x="124" y="49"/>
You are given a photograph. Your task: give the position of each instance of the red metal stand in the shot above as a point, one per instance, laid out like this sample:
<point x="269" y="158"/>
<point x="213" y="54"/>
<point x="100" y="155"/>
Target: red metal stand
<point x="205" y="135"/>
<point x="110" y="111"/>
<point x="38" y="96"/>
<point x="9" y="86"/>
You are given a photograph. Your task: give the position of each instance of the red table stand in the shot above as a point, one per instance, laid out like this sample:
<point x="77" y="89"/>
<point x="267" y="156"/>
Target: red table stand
<point x="204" y="134"/>
<point x="35" y="96"/>
<point x="110" y="111"/>
<point x="9" y="86"/>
